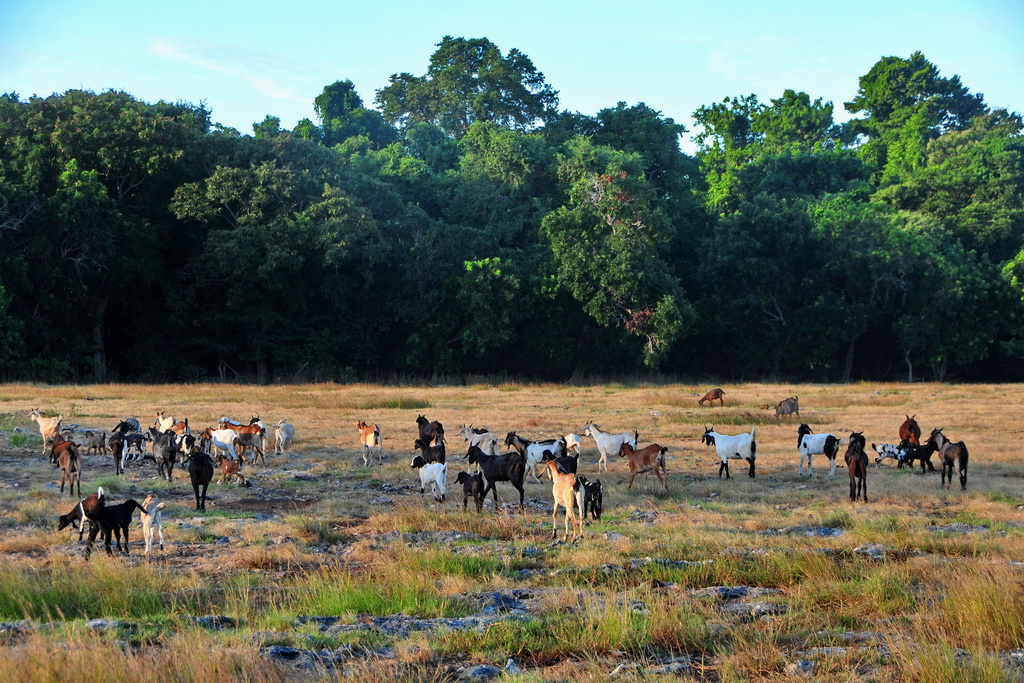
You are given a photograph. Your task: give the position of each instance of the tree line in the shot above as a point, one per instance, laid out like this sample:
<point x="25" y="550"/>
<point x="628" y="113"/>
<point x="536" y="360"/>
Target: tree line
<point x="467" y="225"/>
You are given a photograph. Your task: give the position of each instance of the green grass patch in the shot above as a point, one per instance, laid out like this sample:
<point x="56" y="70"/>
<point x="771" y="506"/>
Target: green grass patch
<point x="19" y="440"/>
<point x="400" y="403"/>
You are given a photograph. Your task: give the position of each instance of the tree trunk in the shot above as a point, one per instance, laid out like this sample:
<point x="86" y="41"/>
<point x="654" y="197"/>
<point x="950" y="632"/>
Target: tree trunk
<point x="261" y="370"/>
<point x="99" y="353"/>
<point x="910" y="366"/>
<point x="850" y="352"/>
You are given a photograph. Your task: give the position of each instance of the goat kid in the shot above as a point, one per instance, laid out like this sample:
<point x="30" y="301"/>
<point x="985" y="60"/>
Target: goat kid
<point x="472" y="487"/>
<point x="593" y="501"/>
<point x="645" y="460"/>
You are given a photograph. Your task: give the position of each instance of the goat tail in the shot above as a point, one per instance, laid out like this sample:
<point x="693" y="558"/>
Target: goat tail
<point x="753" y="432"/>
<point x="132" y="502"/>
<point x="636" y="438"/>
<point x="100" y="493"/>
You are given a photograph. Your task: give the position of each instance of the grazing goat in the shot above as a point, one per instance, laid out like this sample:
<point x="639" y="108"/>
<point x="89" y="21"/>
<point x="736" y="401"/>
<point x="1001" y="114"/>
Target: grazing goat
<point x="788" y="406"/>
<point x="430" y="453"/>
<point x="608" y="443"/>
<point x="857" y="463"/>
<point x="567" y="493"/>
<point x="739" y="447"/>
<point x="433" y="473"/>
<point x="49" y="427"/>
<point x="284" y="434"/>
<point x="510" y="467"/>
<point x="712" y="396"/>
<point x="645" y="460"/>
<point x="230" y="468"/>
<point x="954" y="455"/>
<point x="809" y="444"/>
<point x="70" y="467"/>
<point x="472" y="487"/>
<point x="593" y="501"/>
<point x="200" y="471"/>
<point x="533" y="451"/>
<point x="483" y="440"/>
<point x="370" y="437"/>
<point x="95" y="442"/>
<point x="910" y="430"/>
<point x="87" y="507"/>
<point x="151" y="522"/>
<point x="430" y="432"/>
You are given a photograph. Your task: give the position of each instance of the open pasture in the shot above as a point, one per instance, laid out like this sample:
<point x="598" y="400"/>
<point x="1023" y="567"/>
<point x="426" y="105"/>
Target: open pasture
<point x="327" y="568"/>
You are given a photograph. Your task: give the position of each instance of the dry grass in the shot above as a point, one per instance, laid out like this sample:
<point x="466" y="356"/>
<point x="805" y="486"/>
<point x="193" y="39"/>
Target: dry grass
<point x="319" y="534"/>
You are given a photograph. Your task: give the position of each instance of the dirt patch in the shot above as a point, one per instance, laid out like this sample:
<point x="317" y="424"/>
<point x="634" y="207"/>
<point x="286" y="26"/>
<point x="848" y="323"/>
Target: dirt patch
<point x="267" y="504"/>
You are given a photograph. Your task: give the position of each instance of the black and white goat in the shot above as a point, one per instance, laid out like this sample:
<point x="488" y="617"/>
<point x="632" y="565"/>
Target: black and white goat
<point x="809" y="444"/>
<point x="738" y="447"/>
<point x="434" y="474"/>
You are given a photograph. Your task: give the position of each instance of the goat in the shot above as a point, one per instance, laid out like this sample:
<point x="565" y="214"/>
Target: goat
<point x="230" y="468"/>
<point x="163" y="422"/>
<point x="472" y="487"/>
<point x="483" y="440"/>
<point x="565" y="463"/>
<point x="922" y="453"/>
<point x="200" y="472"/>
<point x="165" y="453"/>
<point x="48" y="426"/>
<point x="71" y="467"/>
<point x="433" y="473"/>
<point x="86" y="507"/>
<point x="370" y="437"/>
<point x="116" y="443"/>
<point x="431" y="433"/>
<point x="572" y="444"/>
<point x="567" y="492"/>
<point x="112" y="518"/>
<point x="127" y="425"/>
<point x="857" y="462"/>
<point x="510" y="467"/>
<point x="809" y="444"/>
<point x="533" y="451"/>
<point x="430" y="453"/>
<point x="255" y="428"/>
<point x="247" y="440"/>
<point x="95" y="442"/>
<point x="910" y="430"/>
<point x="608" y="443"/>
<point x="220" y="440"/>
<point x="645" y="460"/>
<point x="954" y="455"/>
<point x="151" y="522"/>
<point x="58" y="445"/>
<point x="592" y="498"/>
<point x="739" y="447"/>
<point x="788" y="406"/>
<point x="284" y="434"/>
<point x="887" y="450"/>
<point x="712" y="396"/>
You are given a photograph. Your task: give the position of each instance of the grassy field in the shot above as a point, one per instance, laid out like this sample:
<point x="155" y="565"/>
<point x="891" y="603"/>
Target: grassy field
<point x="325" y="568"/>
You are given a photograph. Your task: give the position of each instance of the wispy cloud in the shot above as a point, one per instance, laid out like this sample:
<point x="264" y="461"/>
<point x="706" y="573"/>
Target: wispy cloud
<point x="263" y="72"/>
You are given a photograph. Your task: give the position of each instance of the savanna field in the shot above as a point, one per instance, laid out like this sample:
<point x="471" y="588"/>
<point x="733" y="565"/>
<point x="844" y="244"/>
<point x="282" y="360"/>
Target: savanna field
<point x="325" y="568"/>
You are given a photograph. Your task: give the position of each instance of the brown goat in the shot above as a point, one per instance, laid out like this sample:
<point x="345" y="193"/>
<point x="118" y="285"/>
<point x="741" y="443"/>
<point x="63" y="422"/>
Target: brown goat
<point x="71" y="467"/>
<point x="910" y="430"/>
<point x="644" y="460"/>
<point x="788" y="406"/>
<point x="568" y="493"/>
<point x="712" y="396"/>
<point x="857" y="464"/>
<point x="230" y="468"/>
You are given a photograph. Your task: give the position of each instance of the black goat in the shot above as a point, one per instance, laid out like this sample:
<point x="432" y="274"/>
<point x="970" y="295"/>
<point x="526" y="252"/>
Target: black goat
<point x="566" y="464"/>
<point x="592" y="499"/>
<point x="472" y="487"/>
<point x="86" y="508"/>
<point x="109" y="519"/>
<point x="430" y="453"/>
<point x="200" y="470"/>
<point x="510" y="467"/>
<point x="922" y="453"/>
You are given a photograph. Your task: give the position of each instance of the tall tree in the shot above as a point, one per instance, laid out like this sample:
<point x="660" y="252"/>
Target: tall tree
<point x="469" y="80"/>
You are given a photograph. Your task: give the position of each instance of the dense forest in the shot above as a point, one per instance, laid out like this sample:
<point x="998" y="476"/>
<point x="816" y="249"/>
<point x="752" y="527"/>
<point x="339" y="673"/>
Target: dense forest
<point x="463" y="224"/>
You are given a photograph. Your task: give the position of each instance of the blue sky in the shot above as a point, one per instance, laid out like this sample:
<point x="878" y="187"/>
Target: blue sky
<point x="249" y="59"/>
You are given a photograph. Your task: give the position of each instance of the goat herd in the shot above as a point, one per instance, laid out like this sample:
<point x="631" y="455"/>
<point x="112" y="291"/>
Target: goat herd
<point x="171" y="442"/>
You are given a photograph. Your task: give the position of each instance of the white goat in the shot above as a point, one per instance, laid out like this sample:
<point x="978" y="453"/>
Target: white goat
<point x="163" y="423"/>
<point x="809" y="443"/>
<point x="572" y="443"/>
<point x="608" y="443"/>
<point x="151" y="523"/>
<point x="433" y="473"/>
<point x="225" y="440"/>
<point x="284" y="433"/>
<point x="486" y="442"/>
<point x="49" y="427"/>
<point x="738" y="447"/>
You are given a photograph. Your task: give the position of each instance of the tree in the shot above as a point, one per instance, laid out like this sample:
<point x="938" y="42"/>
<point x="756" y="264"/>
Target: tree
<point x="469" y="80"/>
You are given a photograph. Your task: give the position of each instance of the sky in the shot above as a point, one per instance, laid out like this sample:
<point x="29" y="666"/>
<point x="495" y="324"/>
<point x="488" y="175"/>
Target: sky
<point x="246" y="60"/>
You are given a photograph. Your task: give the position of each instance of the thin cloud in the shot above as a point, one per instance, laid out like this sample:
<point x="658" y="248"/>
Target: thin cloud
<point x="261" y="71"/>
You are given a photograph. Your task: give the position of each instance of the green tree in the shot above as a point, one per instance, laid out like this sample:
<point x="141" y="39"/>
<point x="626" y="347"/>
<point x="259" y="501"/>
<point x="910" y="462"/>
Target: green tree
<point x="469" y="80"/>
